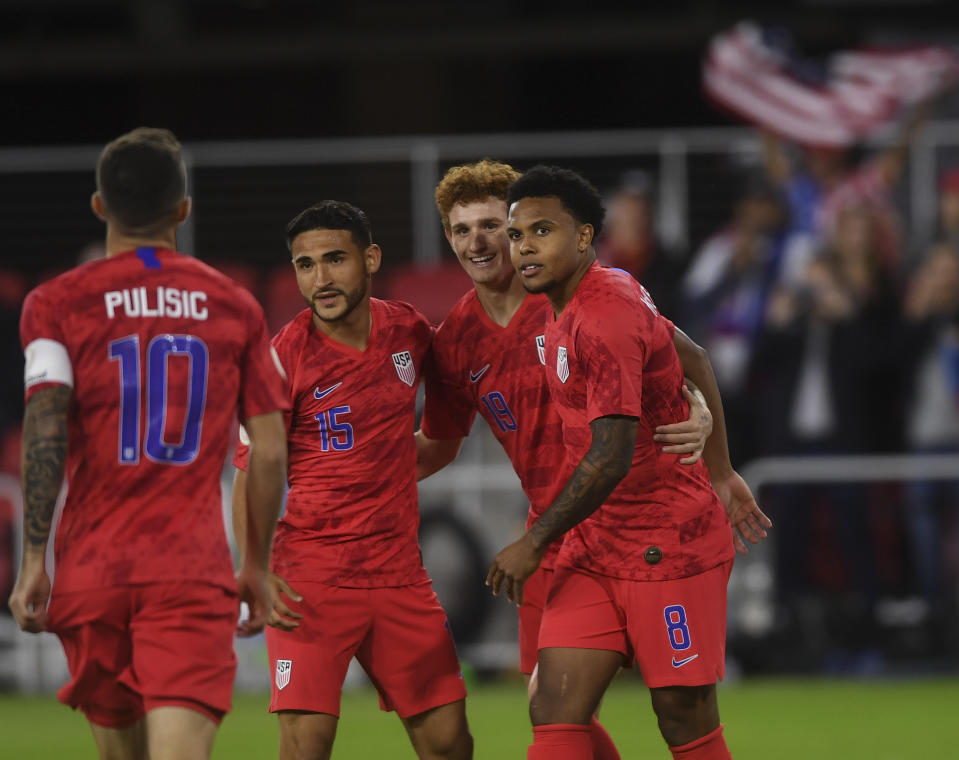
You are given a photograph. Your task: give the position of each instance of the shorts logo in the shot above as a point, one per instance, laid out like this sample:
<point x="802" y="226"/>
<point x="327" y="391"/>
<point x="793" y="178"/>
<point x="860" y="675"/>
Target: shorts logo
<point x="541" y="349"/>
<point x="562" y="364"/>
<point x="403" y="362"/>
<point x="684" y="661"/>
<point x="283" y="668"/>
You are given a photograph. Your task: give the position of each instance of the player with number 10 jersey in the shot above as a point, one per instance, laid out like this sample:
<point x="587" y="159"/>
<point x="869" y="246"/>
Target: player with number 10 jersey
<point x="161" y="350"/>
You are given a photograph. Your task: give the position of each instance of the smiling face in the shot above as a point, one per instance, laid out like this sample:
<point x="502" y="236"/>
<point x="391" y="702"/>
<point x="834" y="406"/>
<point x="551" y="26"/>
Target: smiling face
<point x="477" y="234"/>
<point x="333" y="272"/>
<point x="548" y="246"/>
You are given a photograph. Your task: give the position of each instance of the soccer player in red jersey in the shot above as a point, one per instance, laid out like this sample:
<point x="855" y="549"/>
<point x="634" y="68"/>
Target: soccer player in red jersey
<point x="136" y="366"/>
<point x="489" y="357"/>
<point x="642" y="572"/>
<point x="347" y="573"/>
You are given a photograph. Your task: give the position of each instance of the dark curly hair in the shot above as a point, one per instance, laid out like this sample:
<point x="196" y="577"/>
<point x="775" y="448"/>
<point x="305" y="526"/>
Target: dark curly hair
<point x="574" y="191"/>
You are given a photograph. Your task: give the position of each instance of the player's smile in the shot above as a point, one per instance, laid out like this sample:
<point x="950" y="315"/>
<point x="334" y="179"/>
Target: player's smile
<point x="477" y="234"/>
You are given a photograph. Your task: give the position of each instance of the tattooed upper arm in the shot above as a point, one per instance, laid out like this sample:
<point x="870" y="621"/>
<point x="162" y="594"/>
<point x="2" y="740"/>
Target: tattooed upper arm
<point x="43" y="459"/>
<point x="614" y="441"/>
<point x="606" y="463"/>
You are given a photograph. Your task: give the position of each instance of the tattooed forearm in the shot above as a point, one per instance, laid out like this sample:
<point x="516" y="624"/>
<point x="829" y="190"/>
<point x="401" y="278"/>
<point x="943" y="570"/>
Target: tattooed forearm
<point x="606" y="463"/>
<point x="42" y="460"/>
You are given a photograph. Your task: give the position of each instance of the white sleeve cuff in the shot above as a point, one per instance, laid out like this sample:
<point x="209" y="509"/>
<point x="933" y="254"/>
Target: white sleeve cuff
<point x="47" y="361"/>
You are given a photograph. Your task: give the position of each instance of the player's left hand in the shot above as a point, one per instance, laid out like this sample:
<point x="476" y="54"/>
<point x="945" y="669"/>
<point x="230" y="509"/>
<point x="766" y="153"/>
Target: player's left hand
<point x="512" y="567"/>
<point x="28" y="602"/>
<point x="688" y="437"/>
<point x="253" y="589"/>
<point x="747" y="519"/>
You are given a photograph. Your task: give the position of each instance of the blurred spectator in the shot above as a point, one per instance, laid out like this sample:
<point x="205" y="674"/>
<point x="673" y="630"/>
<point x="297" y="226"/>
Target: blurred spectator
<point x="629" y="241"/>
<point x="724" y="300"/>
<point x="830" y="342"/>
<point x="825" y="180"/>
<point x="831" y="382"/>
<point x="948" y="231"/>
<point x="932" y="315"/>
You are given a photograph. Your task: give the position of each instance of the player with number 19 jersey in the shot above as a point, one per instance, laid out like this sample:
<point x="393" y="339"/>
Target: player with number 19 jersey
<point x="498" y="371"/>
<point x="161" y="351"/>
<point x="351" y="515"/>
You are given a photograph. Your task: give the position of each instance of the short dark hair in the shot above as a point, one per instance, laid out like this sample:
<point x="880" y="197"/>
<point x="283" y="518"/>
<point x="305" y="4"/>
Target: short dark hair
<point x="331" y="215"/>
<point x="142" y="179"/>
<point x="574" y="191"/>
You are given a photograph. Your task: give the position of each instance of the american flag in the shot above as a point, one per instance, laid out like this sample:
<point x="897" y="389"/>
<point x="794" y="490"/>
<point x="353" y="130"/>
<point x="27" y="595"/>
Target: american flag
<point x="756" y="74"/>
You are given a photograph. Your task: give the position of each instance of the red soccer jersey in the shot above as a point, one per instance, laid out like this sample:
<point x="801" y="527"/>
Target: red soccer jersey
<point x="499" y="372"/>
<point x="611" y="353"/>
<point x="162" y="352"/>
<point x="352" y="513"/>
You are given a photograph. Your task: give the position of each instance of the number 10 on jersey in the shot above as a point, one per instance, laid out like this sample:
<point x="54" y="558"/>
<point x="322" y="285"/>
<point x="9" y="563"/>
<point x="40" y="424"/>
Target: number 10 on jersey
<point x="126" y="351"/>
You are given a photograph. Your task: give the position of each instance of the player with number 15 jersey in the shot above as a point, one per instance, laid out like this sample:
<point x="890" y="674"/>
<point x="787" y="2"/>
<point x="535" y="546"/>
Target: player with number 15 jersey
<point x="346" y="552"/>
<point x="351" y="513"/>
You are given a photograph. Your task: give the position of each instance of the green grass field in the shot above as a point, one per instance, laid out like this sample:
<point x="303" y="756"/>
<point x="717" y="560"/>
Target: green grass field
<point x="764" y="718"/>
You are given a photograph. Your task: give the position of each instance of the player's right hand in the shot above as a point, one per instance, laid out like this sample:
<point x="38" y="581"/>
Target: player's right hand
<point x="253" y="589"/>
<point x="28" y="602"/>
<point x="512" y="567"/>
<point x="281" y="616"/>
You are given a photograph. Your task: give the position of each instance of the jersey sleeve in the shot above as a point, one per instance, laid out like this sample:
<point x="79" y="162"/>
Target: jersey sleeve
<point x="242" y="453"/>
<point x="47" y="361"/>
<point x="274" y="348"/>
<point x="263" y="381"/>
<point x="613" y="359"/>
<point x="448" y="411"/>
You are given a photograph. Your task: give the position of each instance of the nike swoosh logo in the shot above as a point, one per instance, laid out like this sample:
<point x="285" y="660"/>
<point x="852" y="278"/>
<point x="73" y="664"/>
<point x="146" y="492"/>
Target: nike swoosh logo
<point x="478" y="375"/>
<point x="323" y="394"/>
<point x="680" y="663"/>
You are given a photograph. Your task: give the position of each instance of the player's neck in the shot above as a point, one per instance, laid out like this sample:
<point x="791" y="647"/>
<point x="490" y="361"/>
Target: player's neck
<point x="118" y="241"/>
<point x="353" y="330"/>
<point x="500" y="304"/>
<point x="562" y="294"/>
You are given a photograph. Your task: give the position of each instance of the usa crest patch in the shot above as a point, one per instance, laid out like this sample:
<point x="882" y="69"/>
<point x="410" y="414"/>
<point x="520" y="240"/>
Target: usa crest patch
<point x="283" y="669"/>
<point x="541" y="349"/>
<point x="403" y="362"/>
<point x="562" y="364"/>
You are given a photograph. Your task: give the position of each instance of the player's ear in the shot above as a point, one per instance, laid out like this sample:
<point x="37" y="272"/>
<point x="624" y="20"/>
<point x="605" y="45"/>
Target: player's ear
<point x="449" y="236"/>
<point x="585" y="237"/>
<point x="96" y="204"/>
<point x="373" y="256"/>
<point x="184" y="209"/>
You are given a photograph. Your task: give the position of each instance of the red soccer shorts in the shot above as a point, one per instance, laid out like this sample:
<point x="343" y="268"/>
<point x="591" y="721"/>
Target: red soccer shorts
<point x="675" y="630"/>
<point x="133" y="648"/>
<point x="535" y="592"/>
<point x="400" y="636"/>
